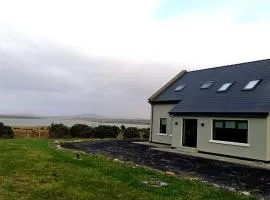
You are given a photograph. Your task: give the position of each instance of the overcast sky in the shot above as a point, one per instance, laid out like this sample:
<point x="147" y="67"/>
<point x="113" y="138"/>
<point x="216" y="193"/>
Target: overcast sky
<point x="107" y="57"/>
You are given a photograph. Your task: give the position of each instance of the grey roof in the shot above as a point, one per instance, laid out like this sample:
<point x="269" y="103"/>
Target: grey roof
<point x="193" y="100"/>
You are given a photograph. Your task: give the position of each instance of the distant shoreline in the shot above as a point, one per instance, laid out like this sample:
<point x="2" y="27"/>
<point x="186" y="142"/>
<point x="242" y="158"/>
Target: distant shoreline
<point x="15" y="120"/>
<point x="20" y="117"/>
<point x="118" y="121"/>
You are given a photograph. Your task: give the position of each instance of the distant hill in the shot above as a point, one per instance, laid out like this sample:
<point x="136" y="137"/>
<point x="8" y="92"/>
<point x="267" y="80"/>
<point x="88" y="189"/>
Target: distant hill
<point x="88" y="115"/>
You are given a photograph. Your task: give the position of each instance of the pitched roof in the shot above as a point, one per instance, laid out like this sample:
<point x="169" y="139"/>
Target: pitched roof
<point x="168" y="84"/>
<point x="193" y="99"/>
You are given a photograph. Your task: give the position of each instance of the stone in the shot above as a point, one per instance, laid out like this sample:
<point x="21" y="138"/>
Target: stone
<point x="205" y="182"/>
<point x="231" y="189"/>
<point x="216" y="185"/>
<point x="169" y="173"/>
<point x="194" y="179"/>
<point x="246" y="193"/>
<point x="162" y="184"/>
<point x="117" y="160"/>
<point x="57" y="142"/>
<point x="58" y="147"/>
<point x="155" y="183"/>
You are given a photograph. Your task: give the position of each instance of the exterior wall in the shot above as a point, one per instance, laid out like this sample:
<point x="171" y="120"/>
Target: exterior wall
<point x="258" y="135"/>
<point x="161" y="111"/>
<point x="177" y="132"/>
<point x="268" y="138"/>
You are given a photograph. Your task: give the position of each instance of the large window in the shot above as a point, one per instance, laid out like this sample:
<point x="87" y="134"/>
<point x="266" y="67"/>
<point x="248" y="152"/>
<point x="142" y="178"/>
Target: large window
<point x="230" y="130"/>
<point x="163" y="126"/>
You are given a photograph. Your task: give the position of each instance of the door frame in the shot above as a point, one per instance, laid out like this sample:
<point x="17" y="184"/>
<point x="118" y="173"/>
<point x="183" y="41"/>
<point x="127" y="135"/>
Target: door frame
<point x="183" y="132"/>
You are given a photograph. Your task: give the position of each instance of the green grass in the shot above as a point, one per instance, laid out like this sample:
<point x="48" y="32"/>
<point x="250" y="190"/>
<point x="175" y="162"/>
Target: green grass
<point x="32" y="169"/>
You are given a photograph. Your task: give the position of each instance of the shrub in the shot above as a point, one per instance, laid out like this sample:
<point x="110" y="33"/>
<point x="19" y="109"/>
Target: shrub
<point x="6" y="131"/>
<point x="145" y="133"/>
<point x="58" y="131"/>
<point x="131" y="132"/>
<point x="81" y="130"/>
<point x="104" y="131"/>
<point x="123" y="127"/>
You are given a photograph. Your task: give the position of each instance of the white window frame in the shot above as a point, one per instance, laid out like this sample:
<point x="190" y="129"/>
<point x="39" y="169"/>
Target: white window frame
<point x="163" y="134"/>
<point x="227" y="142"/>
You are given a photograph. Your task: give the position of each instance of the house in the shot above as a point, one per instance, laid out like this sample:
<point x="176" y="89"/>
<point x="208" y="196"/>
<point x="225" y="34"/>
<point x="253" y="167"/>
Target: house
<point x="222" y="110"/>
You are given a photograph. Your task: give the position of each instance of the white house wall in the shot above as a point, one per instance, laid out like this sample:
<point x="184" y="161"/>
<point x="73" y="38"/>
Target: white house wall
<point x="268" y="138"/>
<point x="257" y="138"/>
<point x="161" y="111"/>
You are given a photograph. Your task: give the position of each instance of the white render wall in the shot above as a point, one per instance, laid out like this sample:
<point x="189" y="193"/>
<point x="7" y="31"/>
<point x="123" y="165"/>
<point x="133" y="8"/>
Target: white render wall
<point x="258" y="138"/>
<point x="268" y="138"/>
<point x="258" y="146"/>
<point x="161" y="111"/>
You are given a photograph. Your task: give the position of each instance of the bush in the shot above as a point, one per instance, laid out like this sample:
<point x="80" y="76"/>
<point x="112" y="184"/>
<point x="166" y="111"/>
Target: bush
<point x="145" y="133"/>
<point x="58" y="131"/>
<point x="6" y="131"/>
<point x="81" y="131"/>
<point x="131" y="132"/>
<point x="104" y="131"/>
<point x="123" y="127"/>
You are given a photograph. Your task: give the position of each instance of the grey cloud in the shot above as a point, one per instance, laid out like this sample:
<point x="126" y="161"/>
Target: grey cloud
<point x="43" y="77"/>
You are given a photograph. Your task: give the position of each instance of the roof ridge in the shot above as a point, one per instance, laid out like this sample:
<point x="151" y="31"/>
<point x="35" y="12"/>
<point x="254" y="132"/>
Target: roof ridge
<point x="230" y="65"/>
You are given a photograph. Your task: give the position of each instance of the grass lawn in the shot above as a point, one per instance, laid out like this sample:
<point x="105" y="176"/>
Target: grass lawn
<point x="32" y="169"/>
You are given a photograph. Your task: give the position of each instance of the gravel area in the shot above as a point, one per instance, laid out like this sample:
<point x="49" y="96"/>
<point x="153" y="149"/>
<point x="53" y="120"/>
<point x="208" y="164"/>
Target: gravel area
<point x="239" y="177"/>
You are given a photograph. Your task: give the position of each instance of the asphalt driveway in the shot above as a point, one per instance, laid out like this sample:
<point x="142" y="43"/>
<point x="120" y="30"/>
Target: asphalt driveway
<point x="240" y="177"/>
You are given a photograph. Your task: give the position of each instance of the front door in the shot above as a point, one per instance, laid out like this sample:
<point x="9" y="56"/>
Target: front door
<point x="189" y="136"/>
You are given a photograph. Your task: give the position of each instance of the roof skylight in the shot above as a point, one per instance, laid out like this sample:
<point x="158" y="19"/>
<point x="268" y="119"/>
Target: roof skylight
<point x="225" y="87"/>
<point x="180" y="87"/>
<point x="207" y="84"/>
<point x="251" y="85"/>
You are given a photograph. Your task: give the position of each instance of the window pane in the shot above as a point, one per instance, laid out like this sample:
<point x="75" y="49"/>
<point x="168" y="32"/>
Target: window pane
<point x="230" y="124"/>
<point x="242" y="125"/>
<point x="207" y="85"/>
<point x="163" y="121"/>
<point x="251" y="84"/>
<point x="180" y="87"/>
<point x="163" y="125"/>
<point x="224" y="87"/>
<point x="218" y="124"/>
